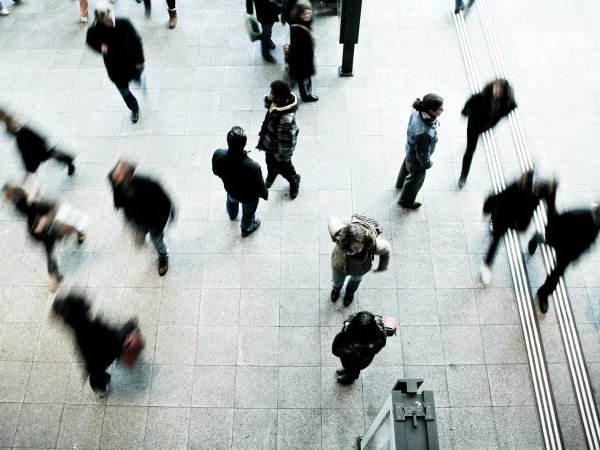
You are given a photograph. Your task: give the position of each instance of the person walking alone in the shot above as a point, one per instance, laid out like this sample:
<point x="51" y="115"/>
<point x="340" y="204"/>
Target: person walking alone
<point x="484" y="110"/>
<point x="121" y="47"/>
<point x="421" y="139"/>
<point x="301" y="58"/>
<point x="242" y="179"/>
<point x="278" y="135"/>
<point x="267" y="13"/>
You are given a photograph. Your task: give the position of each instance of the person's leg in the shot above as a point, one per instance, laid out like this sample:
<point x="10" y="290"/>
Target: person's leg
<point x="171" y="4"/>
<point x="351" y="288"/>
<point x="233" y="207"/>
<point x="337" y="280"/>
<point x="288" y="171"/>
<point x="458" y="6"/>
<point x="536" y="240"/>
<point x="265" y="41"/>
<point x="402" y="175"/>
<point x="491" y="253"/>
<point x="412" y="184"/>
<point x="472" y="138"/>
<point x="54" y="275"/>
<point x="302" y="87"/>
<point x="99" y="380"/>
<point x="272" y="169"/>
<point x="350" y="372"/>
<point x="172" y="13"/>
<point x="163" y="252"/>
<point x="83" y="10"/>
<point x="130" y="100"/>
<point x="147" y="7"/>
<point x="249" y="223"/>
<point x="551" y="282"/>
<point x="63" y="158"/>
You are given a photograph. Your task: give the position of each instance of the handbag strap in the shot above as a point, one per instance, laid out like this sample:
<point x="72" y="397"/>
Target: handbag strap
<point x="305" y="28"/>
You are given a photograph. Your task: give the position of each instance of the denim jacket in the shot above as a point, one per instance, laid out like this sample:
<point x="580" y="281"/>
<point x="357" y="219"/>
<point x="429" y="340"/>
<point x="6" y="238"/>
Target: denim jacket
<point x="421" y="138"/>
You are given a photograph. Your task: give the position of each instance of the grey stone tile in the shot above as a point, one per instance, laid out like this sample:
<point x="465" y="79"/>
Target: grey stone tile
<point x="185" y="270"/>
<point x="123" y="427"/>
<point x="589" y="336"/>
<point x="417" y="307"/>
<point x="503" y="344"/>
<point x="299" y="307"/>
<point x="210" y="428"/>
<point x="81" y="425"/>
<point x="471" y="425"/>
<point x="79" y="391"/>
<point x="451" y="271"/>
<point x="422" y="345"/>
<point x="171" y="386"/>
<point x="413" y="271"/>
<point x="335" y="204"/>
<point x="263" y="354"/>
<point x="300" y="271"/>
<point x="222" y="271"/>
<point x="496" y="306"/>
<point x="411" y="238"/>
<point x="299" y="387"/>
<point x="517" y="427"/>
<point x="48" y="382"/>
<point x="143" y="303"/>
<point x="462" y="345"/>
<point x="340" y="427"/>
<point x="434" y="379"/>
<point x="179" y="307"/>
<point x="174" y="345"/>
<point x="167" y="427"/>
<point x="336" y="395"/>
<point x="217" y="346"/>
<point x="457" y="307"/>
<point x="259" y="307"/>
<point x="299" y="237"/>
<point x="379" y="301"/>
<point x="570" y="426"/>
<point x="562" y="388"/>
<point x="299" y="428"/>
<point x="129" y="387"/>
<point x="256" y="387"/>
<point x="447" y="237"/>
<point x="510" y="385"/>
<point x="468" y="385"/>
<point x="18" y="341"/>
<point x="299" y="346"/>
<point x="444" y="427"/>
<point x="9" y="420"/>
<point x="38" y="425"/>
<point x="214" y="386"/>
<point x="26" y="304"/>
<point x="378" y="383"/>
<point x="262" y="271"/>
<point x="219" y="306"/>
<point x="255" y="428"/>
<point x="268" y="239"/>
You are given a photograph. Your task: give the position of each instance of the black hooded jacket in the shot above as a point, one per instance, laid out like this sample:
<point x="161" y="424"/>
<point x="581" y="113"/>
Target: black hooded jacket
<point x="33" y="148"/>
<point x="242" y="177"/>
<point x="571" y="233"/>
<point x="484" y="112"/>
<point x="356" y="354"/>
<point x="302" y="51"/>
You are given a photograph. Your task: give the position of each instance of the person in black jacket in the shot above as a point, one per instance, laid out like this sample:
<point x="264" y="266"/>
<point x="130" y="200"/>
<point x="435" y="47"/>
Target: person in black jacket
<point x="514" y="208"/>
<point x="99" y="343"/>
<point x="242" y="179"/>
<point x="267" y="13"/>
<point x="33" y="147"/>
<point x="146" y="205"/>
<point x="301" y="59"/>
<point x="48" y="222"/>
<point x="121" y="47"/>
<point x="484" y="110"/>
<point x="570" y="234"/>
<point x="361" y="338"/>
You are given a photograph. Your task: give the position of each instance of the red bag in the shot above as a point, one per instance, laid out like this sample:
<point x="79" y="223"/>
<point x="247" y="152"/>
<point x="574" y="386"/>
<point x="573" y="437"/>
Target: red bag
<point x="132" y="347"/>
<point x="390" y="324"/>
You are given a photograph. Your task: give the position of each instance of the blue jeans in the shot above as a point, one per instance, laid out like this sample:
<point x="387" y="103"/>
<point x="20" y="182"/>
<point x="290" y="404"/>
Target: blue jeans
<point x="248" y="210"/>
<point x="459" y="4"/>
<point x="338" y="279"/>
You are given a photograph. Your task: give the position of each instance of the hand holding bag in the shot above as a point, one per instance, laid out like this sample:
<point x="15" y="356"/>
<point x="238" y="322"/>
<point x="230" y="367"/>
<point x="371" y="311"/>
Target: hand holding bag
<point x="252" y="27"/>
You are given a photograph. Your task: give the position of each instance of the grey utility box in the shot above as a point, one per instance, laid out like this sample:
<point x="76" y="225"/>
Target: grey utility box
<point x="406" y="421"/>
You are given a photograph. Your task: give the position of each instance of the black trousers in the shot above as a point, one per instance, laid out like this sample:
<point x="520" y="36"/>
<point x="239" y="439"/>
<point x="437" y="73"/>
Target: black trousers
<point x="305" y="87"/>
<point x="410" y="180"/>
<point x="284" y="168"/>
<point x="497" y="234"/>
<point x="170" y="4"/>
<point x="353" y="369"/>
<point x="472" y="138"/>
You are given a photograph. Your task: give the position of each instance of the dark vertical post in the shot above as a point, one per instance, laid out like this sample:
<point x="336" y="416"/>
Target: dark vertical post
<point x="349" y="28"/>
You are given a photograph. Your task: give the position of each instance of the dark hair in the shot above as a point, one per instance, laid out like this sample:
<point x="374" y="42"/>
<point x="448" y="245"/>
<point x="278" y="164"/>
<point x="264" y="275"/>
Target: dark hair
<point x="430" y="102"/>
<point x="236" y="138"/>
<point x="73" y="308"/>
<point x="281" y="91"/>
<point x="363" y="328"/>
<point x="354" y="232"/>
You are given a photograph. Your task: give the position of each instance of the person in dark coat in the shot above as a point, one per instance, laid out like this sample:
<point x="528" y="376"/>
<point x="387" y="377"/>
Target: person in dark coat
<point x="570" y="234"/>
<point x="33" y="147"/>
<point x="301" y="59"/>
<point x="484" y="110"/>
<point x="121" y="47"/>
<point x="99" y="343"/>
<point x="267" y="13"/>
<point x="146" y="205"/>
<point x="278" y="135"/>
<point x="242" y="179"/>
<point x="361" y="338"/>
<point x="513" y="208"/>
<point x="48" y="223"/>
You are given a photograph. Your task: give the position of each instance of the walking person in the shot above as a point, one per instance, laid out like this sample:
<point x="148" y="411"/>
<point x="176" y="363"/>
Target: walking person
<point x="421" y="139"/>
<point x="267" y="13"/>
<point x="459" y="5"/>
<point x="362" y="337"/>
<point x="301" y="57"/>
<point x="242" y="179"/>
<point x="513" y="208"/>
<point x="278" y="135"/>
<point x="356" y="244"/>
<point x="34" y="149"/>
<point x="3" y="10"/>
<point x="484" y="110"/>
<point x="570" y="234"/>
<point x="146" y="205"/>
<point x="121" y="48"/>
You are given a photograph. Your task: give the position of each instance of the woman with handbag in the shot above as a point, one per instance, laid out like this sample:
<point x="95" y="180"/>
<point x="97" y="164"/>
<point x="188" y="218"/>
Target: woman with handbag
<point x="361" y="338"/>
<point x="301" y="51"/>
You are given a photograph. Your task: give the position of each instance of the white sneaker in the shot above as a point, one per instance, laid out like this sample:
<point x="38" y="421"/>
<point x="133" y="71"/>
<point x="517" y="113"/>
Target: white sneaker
<point x="83" y="19"/>
<point x="4" y="12"/>
<point x="486" y="274"/>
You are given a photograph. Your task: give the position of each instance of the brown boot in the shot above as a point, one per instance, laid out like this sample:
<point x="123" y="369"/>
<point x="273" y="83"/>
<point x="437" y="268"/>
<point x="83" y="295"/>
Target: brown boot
<point x="172" y="18"/>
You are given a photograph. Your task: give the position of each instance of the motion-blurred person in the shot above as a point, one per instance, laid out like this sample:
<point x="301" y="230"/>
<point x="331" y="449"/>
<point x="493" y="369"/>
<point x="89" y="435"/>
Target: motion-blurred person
<point x="570" y="234"/>
<point x="171" y="9"/>
<point x="514" y="208"/>
<point x="421" y="139"/>
<point x="48" y="222"/>
<point x="459" y="5"/>
<point x="242" y="179"/>
<point x="278" y="135"/>
<point x="484" y="110"/>
<point x="83" y="11"/>
<point x="3" y="10"/>
<point x="361" y="338"/>
<point x="121" y="47"/>
<point x="267" y="13"/>
<point x="99" y="342"/>
<point x="357" y="243"/>
<point x="33" y="147"/>
<point x="301" y="58"/>
<point x="146" y="205"/>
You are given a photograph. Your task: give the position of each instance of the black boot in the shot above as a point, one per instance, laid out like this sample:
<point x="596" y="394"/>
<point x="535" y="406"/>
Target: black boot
<point x="294" y="188"/>
<point x="340" y="371"/>
<point x="543" y="301"/>
<point x="163" y="265"/>
<point x="343" y="379"/>
<point x="335" y="294"/>
<point x="348" y="299"/>
<point x="534" y="242"/>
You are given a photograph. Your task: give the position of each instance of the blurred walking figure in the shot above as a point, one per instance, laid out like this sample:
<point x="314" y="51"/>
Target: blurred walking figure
<point x="33" y="147"/>
<point x="570" y="234"/>
<point x="421" y="139"/>
<point x="99" y="342"/>
<point x="459" y="5"/>
<point x="146" y="205"/>
<point x="514" y="208"/>
<point x="48" y="222"/>
<point x="278" y="135"/>
<point x="361" y="338"/>
<point x="267" y="13"/>
<point x="3" y="10"/>
<point x="242" y="179"/>
<point x="484" y="110"/>
<point x="171" y="9"/>
<point x="301" y="57"/>
<point x="121" y="48"/>
<point x="357" y="243"/>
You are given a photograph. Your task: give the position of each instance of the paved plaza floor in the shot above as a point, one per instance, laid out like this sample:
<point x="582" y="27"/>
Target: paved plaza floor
<point x="239" y="331"/>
